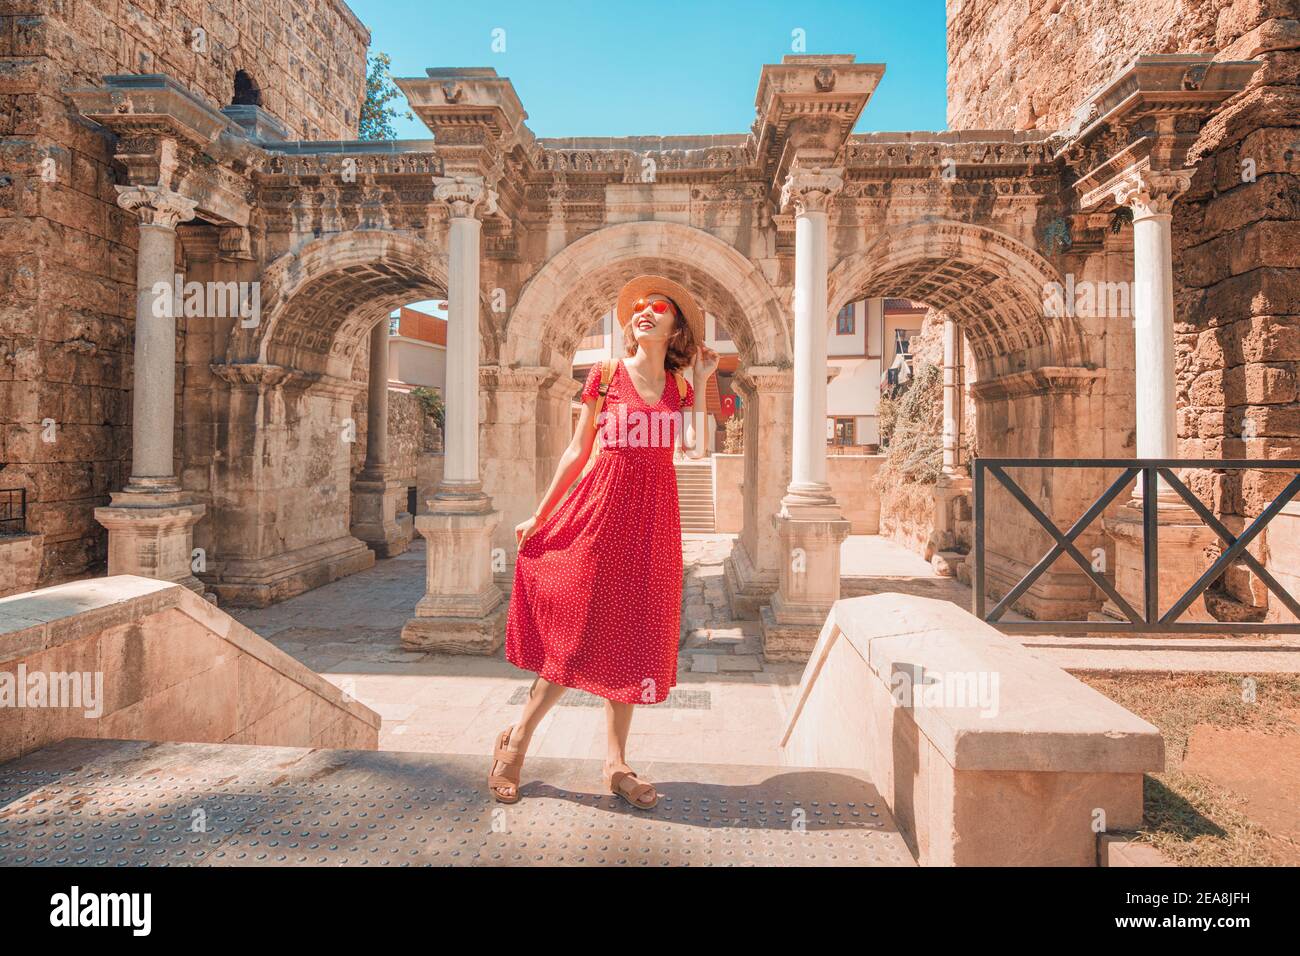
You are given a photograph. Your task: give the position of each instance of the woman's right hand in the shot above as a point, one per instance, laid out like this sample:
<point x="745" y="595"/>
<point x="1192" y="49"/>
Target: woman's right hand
<point x="524" y="530"/>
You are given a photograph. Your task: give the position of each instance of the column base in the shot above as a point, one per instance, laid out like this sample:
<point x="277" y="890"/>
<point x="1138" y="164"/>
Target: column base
<point x="378" y="517"/>
<point x="463" y="609"/>
<point x="260" y="582"/>
<point x="809" y="578"/>
<point x="747" y="587"/>
<point x="952" y="514"/>
<point x="811" y="501"/>
<point x="151" y="532"/>
<point x="481" y="636"/>
<point x="786" y="643"/>
<point x="1182" y="543"/>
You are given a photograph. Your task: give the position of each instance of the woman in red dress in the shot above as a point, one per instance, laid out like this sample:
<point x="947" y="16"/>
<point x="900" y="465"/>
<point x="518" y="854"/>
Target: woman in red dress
<point x="596" y="602"/>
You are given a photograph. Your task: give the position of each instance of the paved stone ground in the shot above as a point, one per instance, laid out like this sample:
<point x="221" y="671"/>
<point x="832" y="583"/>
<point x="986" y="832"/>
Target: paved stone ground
<point x="133" y="803"/>
<point x="349" y="632"/>
<point x="729" y="705"/>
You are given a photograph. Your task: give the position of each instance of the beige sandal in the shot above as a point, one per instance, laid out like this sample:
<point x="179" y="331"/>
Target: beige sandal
<point x="510" y="760"/>
<point x="614" y="781"/>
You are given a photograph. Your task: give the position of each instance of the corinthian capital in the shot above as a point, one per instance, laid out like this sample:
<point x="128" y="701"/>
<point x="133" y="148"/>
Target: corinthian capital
<point x="810" y="188"/>
<point x="468" y="196"/>
<point x="155" y="205"/>
<point x="1151" y="192"/>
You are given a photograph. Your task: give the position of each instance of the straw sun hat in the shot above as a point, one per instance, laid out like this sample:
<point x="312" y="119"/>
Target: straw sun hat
<point x="644" y="285"/>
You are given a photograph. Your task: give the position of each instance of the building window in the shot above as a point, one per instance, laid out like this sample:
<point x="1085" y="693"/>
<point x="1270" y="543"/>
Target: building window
<point x="720" y="333"/>
<point x="845" y="432"/>
<point x="844" y="322"/>
<point x="395" y="325"/>
<point x="247" y="92"/>
<point x="903" y="340"/>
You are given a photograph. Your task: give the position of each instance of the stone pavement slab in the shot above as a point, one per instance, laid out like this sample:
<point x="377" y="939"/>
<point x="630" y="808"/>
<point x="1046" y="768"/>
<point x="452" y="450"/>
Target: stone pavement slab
<point x="112" y="803"/>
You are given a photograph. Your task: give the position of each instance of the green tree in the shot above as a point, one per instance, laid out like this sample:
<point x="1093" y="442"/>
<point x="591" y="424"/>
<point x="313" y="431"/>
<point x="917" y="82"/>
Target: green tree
<point x="376" y="115"/>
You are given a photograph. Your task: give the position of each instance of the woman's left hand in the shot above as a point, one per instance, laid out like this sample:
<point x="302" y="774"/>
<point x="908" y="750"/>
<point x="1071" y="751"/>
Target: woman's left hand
<point x="706" y="360"/>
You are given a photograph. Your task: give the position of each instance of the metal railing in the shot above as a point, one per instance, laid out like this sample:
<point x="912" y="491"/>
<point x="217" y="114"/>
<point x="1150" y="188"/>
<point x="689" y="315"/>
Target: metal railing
<point x="1150" y="620"/>
<point x="13" y="510"/>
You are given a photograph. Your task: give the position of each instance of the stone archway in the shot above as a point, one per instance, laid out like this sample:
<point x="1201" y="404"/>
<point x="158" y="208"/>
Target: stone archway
<point x="989" y="282"/>
<point x="1034" y="375"/>
<point x="283" y="482"/>
<point x="558" y="303"/>
<point x="320" y="301"/>
<point x="580" y="283"/>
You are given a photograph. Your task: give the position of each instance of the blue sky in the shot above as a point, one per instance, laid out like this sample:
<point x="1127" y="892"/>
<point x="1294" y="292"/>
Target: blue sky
<point x="622" y="69"/>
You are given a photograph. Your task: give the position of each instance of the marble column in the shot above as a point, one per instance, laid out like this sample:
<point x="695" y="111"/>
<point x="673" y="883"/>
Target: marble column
<point x="379" y="516"/>
<point x="809" y="522"/>
<point x="1151" y="194"/>
<point x="463" y="610"/>
<point x="151" y="521"/>
<point x="953" y="383"/>
<point x="952" y="504"/>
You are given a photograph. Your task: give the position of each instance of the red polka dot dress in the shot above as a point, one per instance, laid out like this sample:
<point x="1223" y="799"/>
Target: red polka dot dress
<point x="597" y="596"/>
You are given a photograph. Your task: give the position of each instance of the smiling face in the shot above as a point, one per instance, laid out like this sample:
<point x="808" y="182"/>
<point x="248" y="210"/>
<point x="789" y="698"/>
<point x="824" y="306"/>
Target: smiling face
<point x="653" y="316"/>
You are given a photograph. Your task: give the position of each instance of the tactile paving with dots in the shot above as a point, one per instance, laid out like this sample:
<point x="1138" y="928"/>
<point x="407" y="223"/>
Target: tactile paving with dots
<point x="135" y="803"/>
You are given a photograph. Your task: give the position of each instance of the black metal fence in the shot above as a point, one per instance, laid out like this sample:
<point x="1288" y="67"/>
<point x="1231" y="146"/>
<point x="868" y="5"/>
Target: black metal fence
<point x="1150" y="620"/>
<point x="13" y="510"/>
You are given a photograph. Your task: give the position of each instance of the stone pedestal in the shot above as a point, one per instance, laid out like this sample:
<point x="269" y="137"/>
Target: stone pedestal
<point x="20" y="562"/>
<point x="1182" y="544"/>
<point x="952" y="509"/>
<point x="151" y="534"/>
<point x="463" y="610"/>
<point x="751" y="569"/>
<point x="809" y="580"/>
<point x="379" y="516"/>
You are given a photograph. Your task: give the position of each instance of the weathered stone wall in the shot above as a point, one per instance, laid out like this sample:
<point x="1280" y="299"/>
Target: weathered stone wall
<point x="1027" y="64"/>
<point x="67" y="252"/>
<point x="1237" y="230"/>
<point x="411" y="431"/>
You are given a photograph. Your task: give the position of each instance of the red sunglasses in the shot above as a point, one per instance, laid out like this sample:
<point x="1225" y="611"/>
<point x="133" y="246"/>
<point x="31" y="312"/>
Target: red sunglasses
<point x="659" y="306"/>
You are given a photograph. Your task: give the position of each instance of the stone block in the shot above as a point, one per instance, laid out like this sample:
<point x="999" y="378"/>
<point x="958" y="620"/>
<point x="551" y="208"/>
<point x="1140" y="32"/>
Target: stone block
<point x="986" y="754"/>
<point x="172" y="666"/>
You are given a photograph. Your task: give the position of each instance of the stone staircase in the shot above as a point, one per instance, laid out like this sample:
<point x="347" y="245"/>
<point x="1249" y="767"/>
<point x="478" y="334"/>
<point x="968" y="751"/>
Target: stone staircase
<point x="695" y="495"/>
<point x="130" y="802"/>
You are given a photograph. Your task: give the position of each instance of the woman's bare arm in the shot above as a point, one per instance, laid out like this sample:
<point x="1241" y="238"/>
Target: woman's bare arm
<point x="571" y="463"/>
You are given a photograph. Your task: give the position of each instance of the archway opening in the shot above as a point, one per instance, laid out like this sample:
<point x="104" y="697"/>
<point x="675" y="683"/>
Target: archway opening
<point x="288" y="481"/>
<point x="1026" y="390"/>
<point x="749" y="325"/>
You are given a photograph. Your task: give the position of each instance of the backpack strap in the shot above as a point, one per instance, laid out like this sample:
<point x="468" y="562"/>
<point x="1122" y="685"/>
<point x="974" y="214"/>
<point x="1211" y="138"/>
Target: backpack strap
<point x="606" y="375"/>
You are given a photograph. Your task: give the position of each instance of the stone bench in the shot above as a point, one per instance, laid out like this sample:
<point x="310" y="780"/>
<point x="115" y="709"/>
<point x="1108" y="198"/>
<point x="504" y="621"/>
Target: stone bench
<point x="986" y="754"/>
<point x="168" y="665"/>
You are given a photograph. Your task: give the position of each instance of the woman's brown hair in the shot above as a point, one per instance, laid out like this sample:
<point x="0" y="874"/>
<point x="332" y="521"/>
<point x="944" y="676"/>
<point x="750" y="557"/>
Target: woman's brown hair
<point x="681" y="346"/>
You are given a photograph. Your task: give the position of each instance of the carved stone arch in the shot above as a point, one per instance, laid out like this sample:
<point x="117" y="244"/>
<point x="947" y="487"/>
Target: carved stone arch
<point x="320" y="301"/>
<point x="580" y="283"/>
<point x="989" y="282"/>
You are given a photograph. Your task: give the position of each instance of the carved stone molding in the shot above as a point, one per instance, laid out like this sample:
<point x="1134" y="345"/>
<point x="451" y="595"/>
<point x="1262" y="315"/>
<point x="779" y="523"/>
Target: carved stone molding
<point x="1049" y="380"/>
<point x="259" y="375"/>
<point x="530" y="379"/>
<point x="235" y="243"/>
<point x="765" y="378"/>
<point x="1151" y="192"/>
<point x="810" y="189"/>
<point x="468" y="196"/>
<point x="156" y="206"/>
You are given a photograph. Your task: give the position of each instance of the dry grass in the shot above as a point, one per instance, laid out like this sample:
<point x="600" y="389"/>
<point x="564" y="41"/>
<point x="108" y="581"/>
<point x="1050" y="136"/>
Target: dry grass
<point x="1189" y="818"/>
